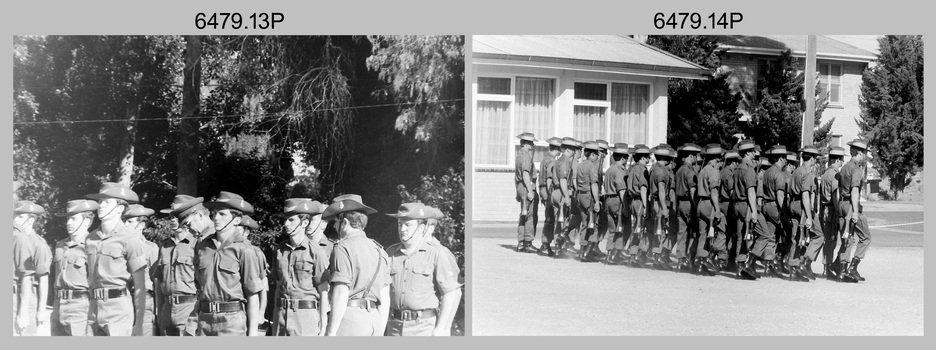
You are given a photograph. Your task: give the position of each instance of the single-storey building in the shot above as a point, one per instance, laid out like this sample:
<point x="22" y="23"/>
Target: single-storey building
<point x="588" y="87"/>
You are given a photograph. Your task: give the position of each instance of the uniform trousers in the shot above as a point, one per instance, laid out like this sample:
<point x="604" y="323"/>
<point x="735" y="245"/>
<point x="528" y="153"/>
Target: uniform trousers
<point x="765" y="240"/>
<point x="222" y="323"/>
<point x="417" y="327"/>
<point x="70" y="317"/>
<point x="526" y="224"/>
<point x="549" y="220"/>
<point x="741" y="246"/>
<point x="617" y="211"/>
<point x="178" y="319"/>
<point x="859" y="234"/>
<point x="684" y="217"/>
<point x="812" y="234"/>
<point x="298" y="322"/>
<point x="111" y="317"/>
<point x="360" y="322"/>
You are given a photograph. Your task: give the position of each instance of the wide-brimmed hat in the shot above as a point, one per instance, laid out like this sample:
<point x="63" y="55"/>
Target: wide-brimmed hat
<point x="791" y="157"/>
<point x="115" y="190"/>
<point x="528" y="136"/>
<point x="295" y="206"/>
<point x="858" y="143"/>
<point x="662" y="151"/>
<point x="713" y="149"/>
<point x="592" y="145"/>
<point x="603" y="144"/>
<point x="228" y="200"/>
<point x="641" y="149"/>
<point x="620" y="148"/>
<point x="78" y="206"/>
<point x="436" y="213"/>
<point x="765" y="162"/>
<point x="183" y="205"/>
<point x="554" y="141"/>
<point x="410" y="211"/>
<point x="249" y="222"/>
<point x="837" y="151"/>
<point x="690" y="148"/>
<point x="27" y="207"/>
<point x="810" y="149"/>
<point x="349" y="202"/>
<point x="745" y="145"/>
<point x="778" y="150"/>
<point x="733" y="153"/>
<point x="571" y="142"/>
<point x="136" y="210"/>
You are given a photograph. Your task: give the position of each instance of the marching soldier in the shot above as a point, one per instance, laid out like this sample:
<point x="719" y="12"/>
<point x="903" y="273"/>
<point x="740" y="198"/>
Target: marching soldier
<point x="32" y="259"/>
<point x="774" y="183"/>
<point x="802" y="207"/>
<point x="135" y="218"/>
<point x="420" y="269"/>
<point x="638" y="190"/>
<point x="659" y="210"/>
<point x="744" y="198"/>
<point x="174" y="273"/>
<point x="710" y="215"/>
<point x="725" y="240"/>
<point x="562" y="195"/>
<point x="601" y="217"/>
<point x="851" y="217"/>
<point x="300" y="275"/>
<point x="229" y="274"/>
<point x="686" y="187"/>
<point x="828" y="215"/>
<point x="359" y="272"/>
<point x="787" y="232"/>
<point x="247" y="226"/>
<point x="526" y="193"/>
<point x="615" y="194"/>
<point x="117" y="262"/>
<point x="70" y="310"/>
<point x="586" y="186"/>
<point x="548" y="184"/>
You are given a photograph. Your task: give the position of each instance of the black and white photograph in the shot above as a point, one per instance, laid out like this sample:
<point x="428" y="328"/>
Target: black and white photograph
<point x="199" y="185"/>
<point x="671" y="185"/>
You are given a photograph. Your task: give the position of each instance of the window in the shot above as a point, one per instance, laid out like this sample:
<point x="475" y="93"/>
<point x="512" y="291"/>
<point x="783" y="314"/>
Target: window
<point x="589" y="91"/>
<point x="830" y="82"/>
<point x="507" y="107"/>
<point x="836" y="140"/>
<point x="622" y="119"/>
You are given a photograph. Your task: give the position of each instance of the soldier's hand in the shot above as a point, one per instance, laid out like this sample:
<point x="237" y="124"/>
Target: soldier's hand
<point x="42" y="315"/>
<point x="807" y="223"/>
<point x="566" y="201"/>
<point x="531" y="195"/>
<point x="22" y="321"/>
<point x="441" y="332"/>
<point x="597" y="207"/>
<point x="854" y="219"/>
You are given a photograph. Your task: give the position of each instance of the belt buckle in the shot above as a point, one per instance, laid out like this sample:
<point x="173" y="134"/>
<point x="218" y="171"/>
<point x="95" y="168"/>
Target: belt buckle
<point x="213" y="307"/>
<point x="174" y="299"/>
<point x="68" y="294"/>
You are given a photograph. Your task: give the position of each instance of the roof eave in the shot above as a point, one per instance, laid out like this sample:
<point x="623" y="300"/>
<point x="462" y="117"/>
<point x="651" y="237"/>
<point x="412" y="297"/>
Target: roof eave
<point x="795" y="53"/>
<point x="591" y="65"/>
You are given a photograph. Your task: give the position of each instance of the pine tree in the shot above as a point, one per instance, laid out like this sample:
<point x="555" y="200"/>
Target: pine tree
<point x="892" y="109"/>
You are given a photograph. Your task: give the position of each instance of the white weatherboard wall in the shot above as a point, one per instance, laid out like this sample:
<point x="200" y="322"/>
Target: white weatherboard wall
<point x="493" y="190"/>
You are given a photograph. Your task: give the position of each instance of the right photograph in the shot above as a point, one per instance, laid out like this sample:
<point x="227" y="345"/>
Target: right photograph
<point x="696" y="185"/>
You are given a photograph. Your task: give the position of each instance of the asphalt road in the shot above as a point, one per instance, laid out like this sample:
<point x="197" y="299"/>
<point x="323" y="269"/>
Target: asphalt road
<point x="525" y="294"/>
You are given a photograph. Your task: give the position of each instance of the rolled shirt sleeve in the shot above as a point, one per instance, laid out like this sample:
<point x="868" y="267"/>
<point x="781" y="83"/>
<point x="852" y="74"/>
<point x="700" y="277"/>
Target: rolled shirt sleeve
<point x="446" y="275"/>
<point x="250" y="270"/>
<point x="340" y="266"/>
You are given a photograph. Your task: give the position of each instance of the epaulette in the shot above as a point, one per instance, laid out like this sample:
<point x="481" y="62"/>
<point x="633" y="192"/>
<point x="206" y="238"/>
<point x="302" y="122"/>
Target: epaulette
<point x="378" y="244"/>
<point x="433" y="243"/>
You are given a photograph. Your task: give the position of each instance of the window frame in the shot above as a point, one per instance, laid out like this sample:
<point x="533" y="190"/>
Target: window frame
<point x="511" y="111"/>
<point x="607" y="103"/>
<point x="828" y="84"/>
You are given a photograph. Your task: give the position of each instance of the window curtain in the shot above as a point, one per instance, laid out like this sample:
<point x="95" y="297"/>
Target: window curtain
<point x="589" y="123"/>
<point x="534" y="106"/>
<point x="493" y="133"/>
<point x="629" y="104"/>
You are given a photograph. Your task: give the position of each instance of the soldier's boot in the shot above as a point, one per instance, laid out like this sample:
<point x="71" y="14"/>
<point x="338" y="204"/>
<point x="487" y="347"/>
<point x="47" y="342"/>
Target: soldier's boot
<point x="807" y="271"/>
<point x="545" y="250"/>
<point x="853" y="270"/>
<point x="702" y="269"/>
<point x="609" y="258"/>
<point x="589" y="253"/>
<point x="783" y="265"/>
<point x="772" y="270"/>
<point x="659" y="263"/>
<point x="797" y="275"/>
<point x="665" y="257"/>
<point x="746" y="272"/>
<point x="841" y="270"/>
<point x="639" y="260"/>
<point x="520" y="246"/>
<point x="682" y="265"/>
<point x="829" y="271"/>
<point x="530" y="248"/>
<point x="619" y="258"/>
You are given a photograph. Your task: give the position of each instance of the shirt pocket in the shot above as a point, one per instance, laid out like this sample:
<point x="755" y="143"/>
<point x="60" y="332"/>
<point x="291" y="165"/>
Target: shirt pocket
<point x="183" y="266"/>
<point x="111" y="262"/>
<point x="305" y="273"/>
<point x="76" y="271"/>
<point x="422" y="278"/>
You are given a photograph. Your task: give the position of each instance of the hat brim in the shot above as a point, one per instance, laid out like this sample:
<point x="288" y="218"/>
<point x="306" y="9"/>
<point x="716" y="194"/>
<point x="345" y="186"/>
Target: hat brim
<point x="228" y="205"/>
<point x="333" y="210"/>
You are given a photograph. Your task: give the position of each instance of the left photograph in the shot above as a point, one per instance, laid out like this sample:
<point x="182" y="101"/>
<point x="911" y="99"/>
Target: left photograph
<point x="238" y="185"/>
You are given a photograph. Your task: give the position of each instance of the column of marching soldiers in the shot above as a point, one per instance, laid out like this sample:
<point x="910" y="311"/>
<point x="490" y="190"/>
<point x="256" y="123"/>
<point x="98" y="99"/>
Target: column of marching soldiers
<point x="208" y="279"/>
<point x="742" y="212"/>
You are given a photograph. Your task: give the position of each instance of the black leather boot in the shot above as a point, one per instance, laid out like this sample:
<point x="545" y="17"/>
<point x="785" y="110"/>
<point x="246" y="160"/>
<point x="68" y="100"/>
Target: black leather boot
<point x="520" y="246"/>
<point x="842" y="272"/>
<point x="853" y="270"/>
<point x="530" y="248"/>
<point x="796" y="275"/>
<point x="640" y="260"/>
<point x="772" y="270"/>
<point x="545" y="250"/>
<point x="746" y="272"/>
<point x="682" y="265"/>
<point x="807" y="271"/>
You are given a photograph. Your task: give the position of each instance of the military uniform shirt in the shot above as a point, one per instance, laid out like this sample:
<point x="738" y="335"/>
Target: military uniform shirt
<point x="71" y="265"/>
<point x="176" y="266"/>
<point x="353" y="262"/>
<point x="829" y="183"/>
<point x="851" y="175"/>
<point x="546" y="171"/>
<point x="803" y="181"/>
<point x="227" y="271"/>
<point x="637" y="178"/>
<point x="112" y="259"/>
<point x="418" y="278"/>
<point x="23" y="264"/>
<point x="562" y="169"/>
<point x="42" y="255"/>
<point x="744" y="177"/>
<point x="708" y="181"/>
<point x="152" y="259"/>
<point x="524" y="163"/>
<point x="685" y="179"/>
<point x="726" y="178"/>
<point x="658" y="174"/>
<point x="586" y="176"/>
<point x="774" y="181"/>
<point x="617" y="179"/>
<point x="299" y="270"/>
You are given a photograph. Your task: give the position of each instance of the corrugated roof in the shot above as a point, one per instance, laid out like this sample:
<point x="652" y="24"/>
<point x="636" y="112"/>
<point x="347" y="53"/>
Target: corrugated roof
<point x="584" y="50"/>
<point x="825" y="46"/>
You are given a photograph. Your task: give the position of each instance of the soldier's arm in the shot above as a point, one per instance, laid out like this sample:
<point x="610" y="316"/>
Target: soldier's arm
<point x="528" y="183"/>
<point x="661" y="195"/>
<point x="383" y="308"/>
<point x="339" y="304"/>
<point x="253" y="313"/>
<point x="752" y="202"/>
<point x="595" y="197"/>
<point x="42" y="312"/>
<point x="25" y="294"/>
<point x="447" y="310"/>
<point x="807" y="205"/>
<point x="139" y="300"/>
<point x="324" y="306"/>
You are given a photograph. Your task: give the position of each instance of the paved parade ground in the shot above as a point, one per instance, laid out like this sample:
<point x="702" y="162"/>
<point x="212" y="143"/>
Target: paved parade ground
<point x="526" y="294"/>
